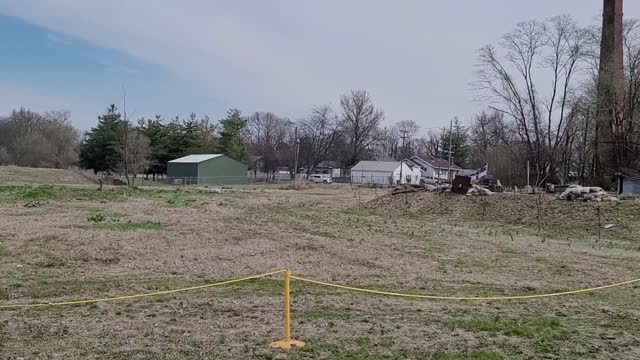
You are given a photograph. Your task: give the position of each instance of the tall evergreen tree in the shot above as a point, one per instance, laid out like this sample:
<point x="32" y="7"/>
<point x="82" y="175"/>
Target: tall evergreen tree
<point x="231" y="140"/>
<point x="99" y="150"/>
<point x="460" y="144"/>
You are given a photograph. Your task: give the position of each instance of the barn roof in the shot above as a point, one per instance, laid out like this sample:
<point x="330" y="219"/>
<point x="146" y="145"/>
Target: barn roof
<point x="195" y="158"/>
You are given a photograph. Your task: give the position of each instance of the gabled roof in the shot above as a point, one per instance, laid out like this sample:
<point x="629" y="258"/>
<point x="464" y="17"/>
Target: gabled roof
<point x="437" y="163"/>
<point x="412" y="163"/>
<point x="328" y="164"/>
<point x="376" y="166"/>
<point x="195" y="158"/>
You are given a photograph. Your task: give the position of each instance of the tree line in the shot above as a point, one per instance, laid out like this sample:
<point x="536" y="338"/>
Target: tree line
<point x="539" y="85"/>
<point x="28" y="138"/>
<point x="264" y="140"/>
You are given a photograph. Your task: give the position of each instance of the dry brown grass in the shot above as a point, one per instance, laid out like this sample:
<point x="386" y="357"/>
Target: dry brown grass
<point x="53" y="252"/>
<point x="25" y="175"/>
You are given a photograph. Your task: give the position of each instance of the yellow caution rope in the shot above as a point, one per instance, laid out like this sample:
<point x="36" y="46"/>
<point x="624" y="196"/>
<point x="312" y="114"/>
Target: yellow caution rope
<point x="466" y="298"/>
<point x="134" y="296"/>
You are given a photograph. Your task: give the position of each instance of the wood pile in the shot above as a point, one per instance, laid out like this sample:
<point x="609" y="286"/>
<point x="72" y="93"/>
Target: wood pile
<point x="475" y="190"/>
<point x="412" y="188"/>
<point x="586" y="193"/>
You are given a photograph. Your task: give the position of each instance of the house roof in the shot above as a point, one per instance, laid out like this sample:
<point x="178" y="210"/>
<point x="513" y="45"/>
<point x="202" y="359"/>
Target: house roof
<point x="434" y="162"/>
<point x="328" y="164"/>
<point x="376" y="166"/>
<point x="467" y="172"/>
<point x="195" y="158"/>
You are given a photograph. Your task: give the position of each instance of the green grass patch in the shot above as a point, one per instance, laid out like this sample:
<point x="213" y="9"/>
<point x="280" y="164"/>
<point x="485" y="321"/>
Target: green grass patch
<point x="4" y="252"/>
<point x="170" y="197"/>
<point x="52" y="262"/>
<point x="467" y="355"/>
<point x="538" y="328"/>
<point x="374" y="348"/>
<point x="129" y="226"/>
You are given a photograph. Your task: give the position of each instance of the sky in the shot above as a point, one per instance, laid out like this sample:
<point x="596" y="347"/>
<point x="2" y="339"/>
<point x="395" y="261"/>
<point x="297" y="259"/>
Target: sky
<point x="416" y="58"/>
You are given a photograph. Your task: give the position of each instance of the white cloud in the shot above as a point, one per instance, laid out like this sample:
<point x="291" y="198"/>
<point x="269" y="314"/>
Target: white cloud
<point x="415" y="57"/>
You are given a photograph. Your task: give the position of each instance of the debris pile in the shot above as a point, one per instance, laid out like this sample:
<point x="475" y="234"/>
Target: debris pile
<point x="412" y="188"/>
<point x="32" y="204"/>
<point x="586" y="194"/>
<point x="478" y="190"/>
<point x="443" y="188"/>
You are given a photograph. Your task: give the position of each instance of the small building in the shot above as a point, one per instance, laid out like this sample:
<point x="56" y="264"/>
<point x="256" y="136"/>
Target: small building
<point x="627" y="185"/>
<point x="206" y="169"/>
<point x="331" y="168"/>
<point x="381" y="172"/>
<point x="435" y="170"/>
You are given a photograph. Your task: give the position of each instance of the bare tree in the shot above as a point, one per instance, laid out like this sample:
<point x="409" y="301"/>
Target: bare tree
<point x="318" y="135"/>
<point x="63" y="139"/>
<point x="506" y="80"/>
<point x="632" y="92"/>
<point x="31" y="139"/>
<point x="430" y="145"/>
<point x="388" y="143"/>
<point x="409" y="129"/>
<point x="359" y="124"/>
<point x="266" y="132"/>
<point x="138" y="150"/>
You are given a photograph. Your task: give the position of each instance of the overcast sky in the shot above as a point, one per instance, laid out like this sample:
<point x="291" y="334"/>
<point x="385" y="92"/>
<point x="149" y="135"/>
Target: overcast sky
<point x="416" y="58"/>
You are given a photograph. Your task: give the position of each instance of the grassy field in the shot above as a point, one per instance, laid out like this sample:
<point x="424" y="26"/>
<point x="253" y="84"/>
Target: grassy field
<point x="76" y="242"/>
<point x="24" y="175"/>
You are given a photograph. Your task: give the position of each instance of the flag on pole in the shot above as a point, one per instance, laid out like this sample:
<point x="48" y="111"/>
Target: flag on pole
<point x="480" y="173"/>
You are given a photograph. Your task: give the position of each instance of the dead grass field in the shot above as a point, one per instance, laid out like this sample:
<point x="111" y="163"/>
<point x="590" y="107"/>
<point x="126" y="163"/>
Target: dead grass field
<point x="25" y="175"/>
<point x="80" y="243"/>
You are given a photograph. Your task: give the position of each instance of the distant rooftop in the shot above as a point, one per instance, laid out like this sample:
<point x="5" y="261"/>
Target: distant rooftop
<point x="376" y="166"/>
<point x="195" y="158"/>
<point x="437" y="163"/>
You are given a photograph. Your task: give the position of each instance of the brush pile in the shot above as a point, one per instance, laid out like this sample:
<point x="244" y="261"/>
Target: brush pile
<point x="586" y="194"/>
<point x="412" y="188"/>
<point x="475" y="190"/>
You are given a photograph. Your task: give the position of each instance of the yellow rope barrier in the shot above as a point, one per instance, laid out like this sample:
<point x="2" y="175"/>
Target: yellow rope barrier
<point x="134" y="296"/>
<point x="288" y="342"/>
<point x="466" y="298"/>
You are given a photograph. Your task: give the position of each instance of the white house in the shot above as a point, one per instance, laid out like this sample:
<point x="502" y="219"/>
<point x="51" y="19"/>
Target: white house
<point x="382" y="172"/>
<point x="435" y="169"/>
<point x="416" y="177"/>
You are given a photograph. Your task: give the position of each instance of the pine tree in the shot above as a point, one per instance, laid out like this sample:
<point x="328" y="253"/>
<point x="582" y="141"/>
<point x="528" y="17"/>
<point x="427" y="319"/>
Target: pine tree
<point x="231" y="135"/>
<point x="460" y="144"/>
<point x="99" y="151"/>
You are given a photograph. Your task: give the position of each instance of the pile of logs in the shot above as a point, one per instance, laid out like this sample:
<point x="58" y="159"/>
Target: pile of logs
<point x="414" y="188"/>
<point x="586" y="193"/>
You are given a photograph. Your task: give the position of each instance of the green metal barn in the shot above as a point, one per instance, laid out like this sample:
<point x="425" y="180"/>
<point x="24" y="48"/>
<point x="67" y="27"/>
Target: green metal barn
<point x="206" y="169"/>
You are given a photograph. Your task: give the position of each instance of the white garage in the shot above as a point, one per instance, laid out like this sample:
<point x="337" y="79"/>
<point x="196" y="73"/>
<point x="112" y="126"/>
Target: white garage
<point x="381" y="172"/>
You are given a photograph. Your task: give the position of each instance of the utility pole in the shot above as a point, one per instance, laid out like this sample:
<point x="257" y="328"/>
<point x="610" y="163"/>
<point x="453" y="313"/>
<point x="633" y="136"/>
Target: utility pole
<point x="403" y="137"/>
<point x="450" y="151"/>
<point x="126" y="133"/>
<point x="295" y="162"/>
